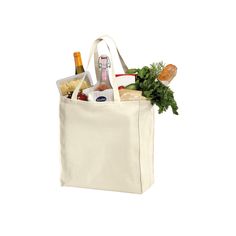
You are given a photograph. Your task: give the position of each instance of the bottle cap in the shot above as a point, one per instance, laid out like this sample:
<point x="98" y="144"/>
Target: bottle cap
<point x="77" y="54"/>
<point x="104" y="62"/>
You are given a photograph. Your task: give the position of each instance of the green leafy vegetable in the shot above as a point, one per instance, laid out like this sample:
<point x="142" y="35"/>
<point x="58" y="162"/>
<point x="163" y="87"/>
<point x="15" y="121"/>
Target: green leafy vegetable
<point x="154" y="90"/>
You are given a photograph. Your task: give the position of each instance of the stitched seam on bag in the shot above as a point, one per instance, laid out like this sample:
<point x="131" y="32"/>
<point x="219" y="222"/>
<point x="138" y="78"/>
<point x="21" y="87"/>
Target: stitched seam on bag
<point x="62" y="148"/>
<point x="153" y="147"/>
<point x="140" y="171"/>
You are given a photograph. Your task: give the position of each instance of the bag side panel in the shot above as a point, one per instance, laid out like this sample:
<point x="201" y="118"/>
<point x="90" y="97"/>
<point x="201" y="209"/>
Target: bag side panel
<point x="146" y="133"/>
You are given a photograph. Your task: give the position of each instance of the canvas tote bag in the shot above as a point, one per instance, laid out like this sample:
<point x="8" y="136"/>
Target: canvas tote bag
<point x="107" y="145"/>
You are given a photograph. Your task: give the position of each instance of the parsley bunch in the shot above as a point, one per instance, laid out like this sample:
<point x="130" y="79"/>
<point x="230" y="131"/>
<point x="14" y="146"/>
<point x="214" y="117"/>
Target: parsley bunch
<point x="154" y="90"/>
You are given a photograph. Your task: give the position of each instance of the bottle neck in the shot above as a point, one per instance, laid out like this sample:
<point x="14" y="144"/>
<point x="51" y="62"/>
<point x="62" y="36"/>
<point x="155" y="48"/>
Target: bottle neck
<point x="103" y="64"/>
<point x="104" y="74"/>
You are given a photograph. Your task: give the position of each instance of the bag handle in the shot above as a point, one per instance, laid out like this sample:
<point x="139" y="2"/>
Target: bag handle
<point x="93" y="50"/>
<point x="103" y="38"/>
<point x="112" y="81"/>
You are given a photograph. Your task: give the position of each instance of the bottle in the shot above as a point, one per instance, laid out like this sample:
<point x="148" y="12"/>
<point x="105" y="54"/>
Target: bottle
<point x="78" y="63"/>
<point x="103" y="80"/>
<point x="102" y="91"/>
<point x="72" y="84"/>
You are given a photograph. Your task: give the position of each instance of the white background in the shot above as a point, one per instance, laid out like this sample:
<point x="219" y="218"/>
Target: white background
<point x="195" y="166"/>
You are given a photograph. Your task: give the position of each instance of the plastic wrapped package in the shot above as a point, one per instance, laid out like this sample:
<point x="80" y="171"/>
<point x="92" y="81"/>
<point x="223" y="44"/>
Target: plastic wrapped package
<point x="69" y="84"/>
<point x="131" y="95"/>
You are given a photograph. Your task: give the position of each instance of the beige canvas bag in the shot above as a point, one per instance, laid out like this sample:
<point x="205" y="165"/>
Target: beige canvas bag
<point x="107" y="145"/>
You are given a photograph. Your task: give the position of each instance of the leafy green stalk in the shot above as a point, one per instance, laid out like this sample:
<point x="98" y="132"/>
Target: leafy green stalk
<point x="154" y="90"/>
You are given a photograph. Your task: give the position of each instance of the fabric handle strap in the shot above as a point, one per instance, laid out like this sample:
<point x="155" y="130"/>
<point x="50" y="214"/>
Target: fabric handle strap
<point x="112" y="80"/>
<point x="103" y="38"/>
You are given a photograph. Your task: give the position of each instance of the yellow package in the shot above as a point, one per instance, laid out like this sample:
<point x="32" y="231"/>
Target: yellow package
<point x="70" y="86"/>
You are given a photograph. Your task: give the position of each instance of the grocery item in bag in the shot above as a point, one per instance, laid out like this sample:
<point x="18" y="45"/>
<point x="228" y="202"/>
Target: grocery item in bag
<point x="102" y="91"/>
<point x="167" y="74"/>
<point x="101" y="96"/>
<point x="79" y="68"/>
<point x="131" y="95"/>
<point x="82" y="96"/>
<point x="124" y="79"/>
<point x="68" y="86"/>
